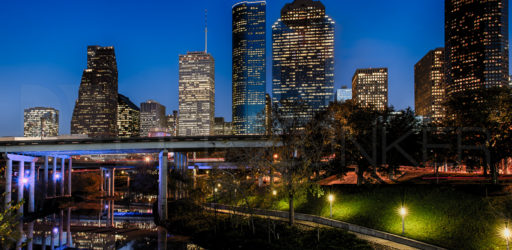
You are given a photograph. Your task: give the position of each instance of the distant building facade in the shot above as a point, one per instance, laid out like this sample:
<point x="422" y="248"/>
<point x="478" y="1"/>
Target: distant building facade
<point x="222" y="127"/>
<point x="128" y="118"/>
<point x="268" y="114"/>
<point x="152" y="118"/>
<point x="196" y="94"/>
<point x="476" y="44"/>
<point x="249" y="67"/>
<point x="95" y="112"/>
<point x="40" y="122"/>
<point x="370" y="88"/>
<point x="344" y="94"/>
<point x="172" y="123"/>
<point x="303" y="59"/>
<point x="429" y="86"/>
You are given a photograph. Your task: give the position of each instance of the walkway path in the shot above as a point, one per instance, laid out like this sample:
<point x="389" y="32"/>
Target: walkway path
<point x="377" y="242"/>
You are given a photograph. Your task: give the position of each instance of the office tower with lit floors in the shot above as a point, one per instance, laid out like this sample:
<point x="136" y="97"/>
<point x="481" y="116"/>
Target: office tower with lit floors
<point x="196" y="94"/>
<point x="95" y="112"/>
<point x="128" y="118"/>
<point x="152" y="118"/>
<point x="370" y="88"/>
<point x="40" y="122"/>
<point x="302" y="60"/>
<point x="249" y="67"/>
<point x="476" y="44"/>
<point x="429" y="86"/>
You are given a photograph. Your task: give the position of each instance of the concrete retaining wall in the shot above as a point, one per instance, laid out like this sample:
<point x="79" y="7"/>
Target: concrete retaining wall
<point x="333" y="223"/>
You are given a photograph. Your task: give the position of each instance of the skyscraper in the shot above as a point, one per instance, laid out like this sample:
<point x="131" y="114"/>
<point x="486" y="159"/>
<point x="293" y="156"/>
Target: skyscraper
<point x="429" y="86"/>
<point x="268" y="114"/>
<point x="476" y="44"/>
<point x="152" y="118"/>
<point x="222" y="127"/>
<point x="303" y="59"/>
<point x="128" y="117"/>
<point x="370" y="88"/>
<point x="249" y="67"/>
<point x="196" y="94"/>
<point x="95" y="112"/>
<point x="41" y="122"/>
<point x="343" y="94"/>
<point x="172" y="123"/>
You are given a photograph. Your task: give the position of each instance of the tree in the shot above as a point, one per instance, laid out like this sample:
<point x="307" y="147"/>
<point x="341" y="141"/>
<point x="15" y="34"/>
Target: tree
<point x="9" y="221"/>
<point x="482" y="119"/>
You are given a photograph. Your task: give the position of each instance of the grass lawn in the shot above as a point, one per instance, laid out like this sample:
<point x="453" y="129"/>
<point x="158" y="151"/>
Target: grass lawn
<point x="455" y="217"/>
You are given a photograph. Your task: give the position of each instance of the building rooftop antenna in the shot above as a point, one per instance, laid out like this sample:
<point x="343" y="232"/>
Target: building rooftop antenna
<point x="206" y="30"/>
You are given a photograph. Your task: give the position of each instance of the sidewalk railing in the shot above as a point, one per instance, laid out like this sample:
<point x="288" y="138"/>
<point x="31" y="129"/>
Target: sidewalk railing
<point x="330" y="222"/>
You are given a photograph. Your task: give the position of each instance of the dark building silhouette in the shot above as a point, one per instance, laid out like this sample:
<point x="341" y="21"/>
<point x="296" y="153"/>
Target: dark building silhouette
<point x="303" y="59"/>
<point x="249" y="67"/>
<point x="128" y="117"/>
<point x="429" y="86"/>
<point x="95" y="112"/>
<point x="476" y="44"/>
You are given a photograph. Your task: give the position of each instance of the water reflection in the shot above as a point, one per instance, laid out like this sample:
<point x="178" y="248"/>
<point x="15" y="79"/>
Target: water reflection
<point x="105" y="226"/>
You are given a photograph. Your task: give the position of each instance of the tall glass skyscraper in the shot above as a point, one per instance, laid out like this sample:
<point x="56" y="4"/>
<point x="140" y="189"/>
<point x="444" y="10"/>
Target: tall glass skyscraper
<point x="95" y="112"/>
<point x="303" y="59"/>
<point x="476" y="44"/>
<point x="249" y="67"/>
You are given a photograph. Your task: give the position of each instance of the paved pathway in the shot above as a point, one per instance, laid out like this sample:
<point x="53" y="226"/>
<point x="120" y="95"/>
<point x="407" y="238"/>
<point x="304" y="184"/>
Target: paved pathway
<point x="377" y="243"/>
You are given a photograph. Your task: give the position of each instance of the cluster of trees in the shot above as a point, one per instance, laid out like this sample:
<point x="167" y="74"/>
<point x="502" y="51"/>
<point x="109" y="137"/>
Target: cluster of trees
<point x="345" y="137"/>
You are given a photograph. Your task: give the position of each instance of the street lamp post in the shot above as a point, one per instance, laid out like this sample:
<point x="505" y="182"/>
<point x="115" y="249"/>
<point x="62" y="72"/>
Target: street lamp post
<point x="403" y="212"/>
<point x="331" y="199"/>
<point x="507" y="234"/>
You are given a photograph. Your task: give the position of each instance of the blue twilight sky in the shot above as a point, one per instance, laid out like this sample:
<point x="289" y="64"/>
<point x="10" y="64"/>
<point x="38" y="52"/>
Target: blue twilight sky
<point x="43" y="47"/>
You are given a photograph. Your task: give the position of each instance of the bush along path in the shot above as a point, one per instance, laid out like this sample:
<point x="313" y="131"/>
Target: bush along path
<point x="213" y="230"/>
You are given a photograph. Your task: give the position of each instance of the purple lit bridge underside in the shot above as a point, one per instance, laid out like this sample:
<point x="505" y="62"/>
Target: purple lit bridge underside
<point x="20" y="151"/>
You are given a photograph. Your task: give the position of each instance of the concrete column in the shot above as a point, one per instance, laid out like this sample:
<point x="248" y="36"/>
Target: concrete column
<point x="8" y="184"/>
<point x="61" y="227"/>
<point x="162" y="238"/>
<point x="70" y="170"/>
<point x="113" y="176"/>
<point x="62" y="176"/>
<point x="19" y="243"/>
<point x="21" y="175"/>
<point x="30" y="236"/>
<point x="102" y="183"/>
<point x="54" y="176"/>
<point x="31" y="192"/>
<point x="44" y="240"/>
<point x="162" y="190"/>
<point x="52" y="234"/>
<point x="45" y="177"/>
<point x="68" y="229"/>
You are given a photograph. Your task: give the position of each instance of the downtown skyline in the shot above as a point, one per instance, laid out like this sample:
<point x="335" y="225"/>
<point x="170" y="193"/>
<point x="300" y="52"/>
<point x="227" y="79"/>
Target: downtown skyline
<point x="145" y="73"/>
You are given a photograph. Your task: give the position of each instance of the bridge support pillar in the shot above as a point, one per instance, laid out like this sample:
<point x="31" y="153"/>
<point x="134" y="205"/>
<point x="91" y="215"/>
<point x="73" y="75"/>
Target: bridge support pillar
<point x="162" y="188"/>
<point x="102" y="181"/>
<point x="31" y="190"/>
<point x="63" y="176"/>
<point x="68" y="229"/>
<point x="21" y="176"/>
<point x="70" y="170"/>
<point x="45" y="177"/>
<point x="54" y="177"/>
<point x="8" y="184"/>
